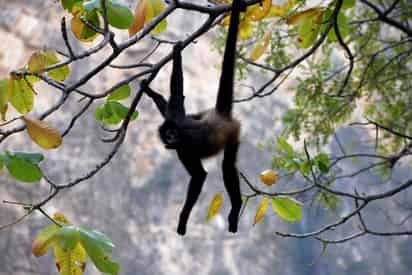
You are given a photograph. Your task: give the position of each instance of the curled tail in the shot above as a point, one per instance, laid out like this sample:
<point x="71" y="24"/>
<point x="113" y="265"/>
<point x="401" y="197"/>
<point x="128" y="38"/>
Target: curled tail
<point x="225" y="92"/>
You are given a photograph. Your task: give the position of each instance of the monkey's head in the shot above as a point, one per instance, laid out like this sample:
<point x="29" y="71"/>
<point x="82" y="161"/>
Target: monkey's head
<point x="170" y="134"/>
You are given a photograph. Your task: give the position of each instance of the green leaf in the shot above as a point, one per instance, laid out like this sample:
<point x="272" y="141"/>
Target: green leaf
<point x="1" y="166"/>
<point x="285" y="146"/>
<point x="347" y="4"/>
<point x="331" y="201"/>
<point x="112" y="112"/>
<point x="67" y="237"/>
<point x="98" y="247"/>
<point x="34" y="158"/>
<point x="68" y="4"/>
<point x="119" y="15"/>
<point x="343" y="28"/>
<point x="21" y="95"/>
<point x="342" y="24"/>
<point x="23" y="169"/>
<point x="305" y="167"/>
<point x="120" y="93"/>
<point x="287" y="208"/>
<point x="308" y="25"/>
<point x="60" y="73"/>
<point x="101" y="239"/>
<point x="322" y="162"/>
<point x="92" y="5"/>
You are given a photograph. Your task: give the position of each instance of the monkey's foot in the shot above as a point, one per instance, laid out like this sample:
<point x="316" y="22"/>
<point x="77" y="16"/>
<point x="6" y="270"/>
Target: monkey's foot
<point x="233" y="228"/>
<point x="233" y="221"/>
<point x="181" y="229"/>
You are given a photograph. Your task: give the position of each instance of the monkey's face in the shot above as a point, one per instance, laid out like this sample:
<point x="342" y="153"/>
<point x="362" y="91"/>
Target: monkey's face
<point x="169" y="133"/>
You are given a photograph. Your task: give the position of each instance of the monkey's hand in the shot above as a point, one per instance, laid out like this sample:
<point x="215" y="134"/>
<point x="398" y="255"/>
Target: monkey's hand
<point x="243" y="5"/>
<point x="178" y="46"/>
<point x="143" y="84"/>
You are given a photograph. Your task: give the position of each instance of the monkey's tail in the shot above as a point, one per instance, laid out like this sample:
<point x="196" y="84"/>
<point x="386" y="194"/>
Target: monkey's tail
<point x="224" y="100"/>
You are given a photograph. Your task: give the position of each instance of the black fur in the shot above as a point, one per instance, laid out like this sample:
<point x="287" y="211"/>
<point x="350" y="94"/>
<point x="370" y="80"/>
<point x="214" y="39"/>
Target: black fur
<point x="202" y="135"/>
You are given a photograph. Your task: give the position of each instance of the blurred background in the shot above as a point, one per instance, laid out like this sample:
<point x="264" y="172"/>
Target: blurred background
<point x="136" y="199"/>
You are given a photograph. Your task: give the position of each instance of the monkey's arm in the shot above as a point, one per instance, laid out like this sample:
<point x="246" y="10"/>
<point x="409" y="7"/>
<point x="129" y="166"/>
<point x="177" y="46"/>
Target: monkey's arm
<point x="231" y="180"/>
<point x="158" y="99"/>
<point x="194" y="167"/>
<point x="176" y="108"/>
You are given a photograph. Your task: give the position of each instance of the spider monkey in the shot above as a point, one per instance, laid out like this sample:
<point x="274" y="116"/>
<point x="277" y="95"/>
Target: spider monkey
<point x="205" y="134"/>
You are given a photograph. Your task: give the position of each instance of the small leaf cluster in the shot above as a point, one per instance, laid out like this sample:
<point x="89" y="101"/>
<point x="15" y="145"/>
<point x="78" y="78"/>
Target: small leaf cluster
<point x="288" y="160"/>
<point x="18" y="90"/>
<point x="119" y="16"/>
<point x="72" y="245"/>
<point x="112" y="111"/>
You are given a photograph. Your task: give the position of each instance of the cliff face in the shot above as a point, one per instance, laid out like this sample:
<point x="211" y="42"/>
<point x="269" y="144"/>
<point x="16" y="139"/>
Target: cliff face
<point x="137" y="198"/>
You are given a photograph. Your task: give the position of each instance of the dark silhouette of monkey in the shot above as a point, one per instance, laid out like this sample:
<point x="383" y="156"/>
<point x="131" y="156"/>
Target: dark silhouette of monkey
<point x="205" y="134"/>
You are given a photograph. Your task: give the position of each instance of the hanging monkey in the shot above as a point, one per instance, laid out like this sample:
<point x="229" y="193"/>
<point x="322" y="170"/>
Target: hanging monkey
<point x="205" y="134"/>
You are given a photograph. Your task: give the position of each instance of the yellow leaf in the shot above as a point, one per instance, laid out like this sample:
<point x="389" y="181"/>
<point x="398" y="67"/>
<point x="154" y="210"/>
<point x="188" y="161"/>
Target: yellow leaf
<point x="259" y="11"/>
<point x="4" y="97"/>
<point x="261" y="45"/>
<point x="42" y="133"/>
<point x="145" y="11"/>
<point x="225" y="21"/>
<point x="261" y="210"/>
<point x="70" y="262"/>
<point x="220" y="1"/>
<point x="268" y="177"/>
<point x="61" y="218"/>
<point x="44" y="240"/>
<point x="289" y="5"/>
<point x="46" y="237"/>
<point x="282" y="11"/>
<point x="245" y="29"/>
<point x="304" y="15"/>
<point x="276" y="10"/>
<point x="37" y="62"/>
<point x="214" y="206"/>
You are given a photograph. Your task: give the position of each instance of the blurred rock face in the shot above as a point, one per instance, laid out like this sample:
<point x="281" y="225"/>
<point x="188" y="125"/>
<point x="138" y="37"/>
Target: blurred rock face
<point x="137" y="198"/>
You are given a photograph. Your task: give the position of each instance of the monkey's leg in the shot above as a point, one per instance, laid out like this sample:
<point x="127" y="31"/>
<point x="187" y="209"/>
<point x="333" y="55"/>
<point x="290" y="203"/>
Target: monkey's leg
<point x="231" y="180"/>
<point x="194" y="167"/>
<point x="158" y="99"/>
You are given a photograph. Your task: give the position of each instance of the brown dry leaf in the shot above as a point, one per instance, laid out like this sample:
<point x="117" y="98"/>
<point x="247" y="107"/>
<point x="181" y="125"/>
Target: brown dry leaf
<point x="42" y="133"/>
<point x="139" y="17"/>
<point x="268" y="177"/>
<point x="145" y="11"/>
